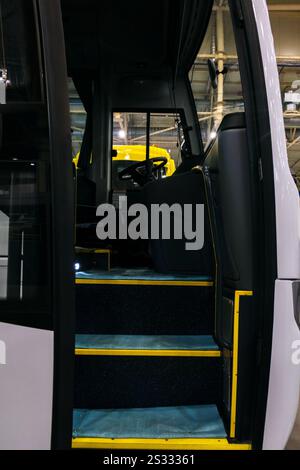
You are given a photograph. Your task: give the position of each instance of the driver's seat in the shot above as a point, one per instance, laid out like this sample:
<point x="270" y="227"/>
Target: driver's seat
<point x="171" y="256"/>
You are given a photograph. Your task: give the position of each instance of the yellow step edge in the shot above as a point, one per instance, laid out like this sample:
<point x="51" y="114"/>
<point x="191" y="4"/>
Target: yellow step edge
<point x="147" y="352"/>
<point x="235" y="358"/>
<point x="88" y="251"/>
<point x="157" y="444"/>
<point x="137" y="282"/>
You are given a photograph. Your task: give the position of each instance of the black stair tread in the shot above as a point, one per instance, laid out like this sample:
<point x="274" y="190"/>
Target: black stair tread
<point x="141" y="275"/>
<point x="147" y="423"/>
<point x="146" y="342"/>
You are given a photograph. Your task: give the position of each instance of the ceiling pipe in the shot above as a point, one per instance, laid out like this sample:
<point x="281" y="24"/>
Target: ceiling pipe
<point x="283" y="7"/>
<point x="223" y="56"/>
<point x="280" y="7"/>
<point x="210" y="88"/>
<point x="220" y="59"/>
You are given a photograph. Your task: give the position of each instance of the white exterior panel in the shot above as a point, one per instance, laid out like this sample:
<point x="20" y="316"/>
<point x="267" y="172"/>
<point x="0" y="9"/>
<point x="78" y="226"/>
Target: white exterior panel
<point x="284" y="374"/>
<point x="284" y="385"/>
<point x="286" y="193"/>
<point x="26" y="388"/>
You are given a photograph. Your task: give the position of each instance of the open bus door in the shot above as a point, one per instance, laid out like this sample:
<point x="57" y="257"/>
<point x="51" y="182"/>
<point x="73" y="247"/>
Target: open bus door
<point x="252" y="328"/>
<point x="36" y="230"/>
<point x="281" y="329"/>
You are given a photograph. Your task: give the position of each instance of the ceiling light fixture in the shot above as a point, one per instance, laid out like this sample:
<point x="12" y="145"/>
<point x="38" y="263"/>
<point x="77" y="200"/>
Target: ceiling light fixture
<point x="122" y="134"/>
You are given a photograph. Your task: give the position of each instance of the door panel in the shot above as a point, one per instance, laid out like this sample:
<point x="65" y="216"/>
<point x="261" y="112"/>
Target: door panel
<point x="26" y="378"/>
<point x="284" y="379"/>
<point x="286" y="193"/>
<point x="284" y="385"/>
<point x="36" y="230"/>
<point x="62" y="204"/>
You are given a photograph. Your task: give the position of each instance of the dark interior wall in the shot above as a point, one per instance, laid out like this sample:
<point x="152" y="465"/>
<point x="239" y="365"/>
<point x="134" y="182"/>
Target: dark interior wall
<point x="136" y="34"/>
<point x="129" y="33"/>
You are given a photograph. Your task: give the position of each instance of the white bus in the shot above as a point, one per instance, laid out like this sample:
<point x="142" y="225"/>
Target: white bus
<point x="140" y="344"/>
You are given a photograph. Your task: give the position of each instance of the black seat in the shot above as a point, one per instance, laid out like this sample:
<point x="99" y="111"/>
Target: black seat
<point x="171" y="256"/>
<point x="227" y="166"/>
<point x="227" y="172"/>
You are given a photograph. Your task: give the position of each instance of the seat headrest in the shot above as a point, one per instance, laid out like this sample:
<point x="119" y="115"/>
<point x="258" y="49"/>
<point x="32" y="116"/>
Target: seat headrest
<point x="233" y="121"/>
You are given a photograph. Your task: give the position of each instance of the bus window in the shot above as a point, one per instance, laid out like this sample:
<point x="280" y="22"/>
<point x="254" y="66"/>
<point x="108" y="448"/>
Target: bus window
<point x="164" y="134"/>
<point x="24" y="187"/>
<point x="23" y="234"/>
<point x="78" y="119"/>
<point x="130" y="143"/>
<point x="213" y="104"/>
<point x="19" y="55"/>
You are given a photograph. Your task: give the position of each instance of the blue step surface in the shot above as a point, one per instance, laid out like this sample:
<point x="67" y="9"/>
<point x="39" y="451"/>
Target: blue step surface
<point x="138" y="275"/>
<point x="140" y="342"/>
<point x="147" y="423"/>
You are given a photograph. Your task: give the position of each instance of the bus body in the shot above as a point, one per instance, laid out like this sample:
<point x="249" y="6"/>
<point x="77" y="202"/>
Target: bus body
<point x="137" y="360"/>
<point x="137" y="153"/>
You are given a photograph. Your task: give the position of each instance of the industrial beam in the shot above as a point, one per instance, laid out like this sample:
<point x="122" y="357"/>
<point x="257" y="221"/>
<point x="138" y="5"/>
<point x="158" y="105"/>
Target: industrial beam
<point x="223" y="56"/>
<point x="284" y="7"/>
<point x="291" y="144"/>
<point x="280" y="7"/>
<point x="220" y="59"/>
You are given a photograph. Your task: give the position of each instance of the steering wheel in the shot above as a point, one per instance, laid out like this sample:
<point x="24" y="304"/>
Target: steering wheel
<point x="141" y="173"/>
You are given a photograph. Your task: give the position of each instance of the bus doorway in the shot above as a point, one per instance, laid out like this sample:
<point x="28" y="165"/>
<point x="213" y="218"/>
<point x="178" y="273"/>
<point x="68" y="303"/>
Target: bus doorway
<point x="175" y="335"/>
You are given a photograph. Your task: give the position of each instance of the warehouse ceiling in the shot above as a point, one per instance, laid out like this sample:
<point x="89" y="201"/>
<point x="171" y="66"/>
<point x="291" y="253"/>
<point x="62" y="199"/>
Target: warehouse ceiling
<point x="285" y="19"/>
<point x="286" y="28"/>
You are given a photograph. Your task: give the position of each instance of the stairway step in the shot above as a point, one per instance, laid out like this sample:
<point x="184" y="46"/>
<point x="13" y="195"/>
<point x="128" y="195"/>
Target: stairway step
<point x="140" y="277"/>
<point x="184" y="427"/>
<point x="148" y="423"/>
<point x="138" y="345"/>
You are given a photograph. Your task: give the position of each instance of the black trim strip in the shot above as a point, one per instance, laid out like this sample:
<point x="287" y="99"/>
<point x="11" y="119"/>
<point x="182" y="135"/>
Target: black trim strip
<point x="63" y="219"/>
<point x="296" y="295"/>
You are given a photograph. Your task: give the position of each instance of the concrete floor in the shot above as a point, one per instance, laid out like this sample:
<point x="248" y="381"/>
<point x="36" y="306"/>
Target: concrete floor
<point x="294" y="442"/>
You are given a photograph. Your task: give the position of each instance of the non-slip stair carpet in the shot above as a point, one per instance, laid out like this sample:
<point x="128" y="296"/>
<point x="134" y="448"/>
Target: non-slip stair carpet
<point x="148" y="423"/>
<point x="138" y="275"/>
<point x="159" y="342"/>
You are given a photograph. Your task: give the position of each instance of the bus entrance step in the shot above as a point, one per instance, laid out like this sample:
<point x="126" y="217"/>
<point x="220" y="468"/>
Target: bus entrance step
<point x="141" y="302"/>
<point x="150" y="423"/>
<point x="139" y="345"/>
<point x="140" y="277"/>
<point x="185" y="428"/>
